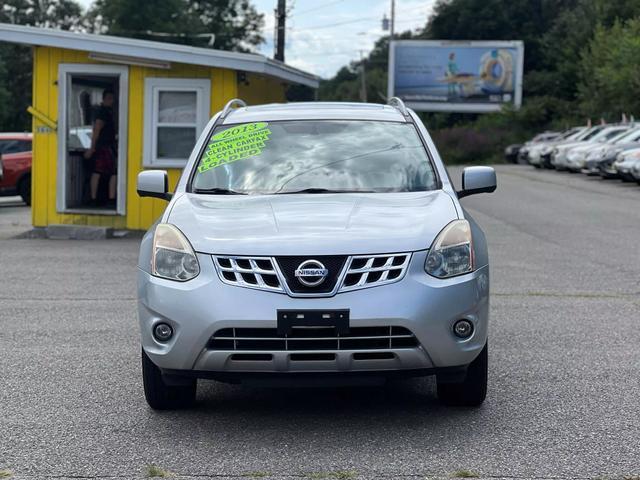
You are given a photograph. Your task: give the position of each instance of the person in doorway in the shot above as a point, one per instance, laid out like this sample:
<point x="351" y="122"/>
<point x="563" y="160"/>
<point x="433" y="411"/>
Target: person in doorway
<point x="103" y="149"/>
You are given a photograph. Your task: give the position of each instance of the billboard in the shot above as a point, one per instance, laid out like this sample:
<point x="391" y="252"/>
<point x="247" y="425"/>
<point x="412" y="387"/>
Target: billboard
<point x="456" y="76"/>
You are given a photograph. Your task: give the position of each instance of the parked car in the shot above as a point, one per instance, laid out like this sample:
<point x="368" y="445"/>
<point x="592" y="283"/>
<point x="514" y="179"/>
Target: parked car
<point x="635" y="171"/>
<point x="15" y="165"/>
<point x="577" y="157"/>
<point x="599" y="133"/>
<point x="597" y="160"/>
<point x="624" y="165"/>
<point x="603" y="157"/>
<point x="512" y="152"/>
<point x="303" y="243"/>
<point x="538" y="154"/>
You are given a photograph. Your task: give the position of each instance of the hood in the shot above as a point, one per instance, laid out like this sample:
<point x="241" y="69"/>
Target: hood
<point x="566" y="146"/>
<point x="588" y="147"/>
<point x="312" y="224"/>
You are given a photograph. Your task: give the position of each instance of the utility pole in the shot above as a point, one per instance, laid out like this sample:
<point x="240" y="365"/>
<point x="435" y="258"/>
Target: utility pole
<point x="281" y="15"/>
<point x="392" y="27"/>
<point x="393" y="19"/>
<point x="363" y="76"/>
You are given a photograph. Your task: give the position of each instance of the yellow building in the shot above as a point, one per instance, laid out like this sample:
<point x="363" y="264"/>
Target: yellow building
<point x="165" y="94"/>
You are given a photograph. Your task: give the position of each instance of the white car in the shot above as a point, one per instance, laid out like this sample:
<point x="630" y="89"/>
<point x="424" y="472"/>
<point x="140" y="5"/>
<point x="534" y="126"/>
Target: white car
<point x="598" y="134"/>
<point x="635" y="172"/>
<point x="577" y="157"/>
<point x="625" y="164"/>
<point x="313" y="242"/>
<point x="536" y="152"/>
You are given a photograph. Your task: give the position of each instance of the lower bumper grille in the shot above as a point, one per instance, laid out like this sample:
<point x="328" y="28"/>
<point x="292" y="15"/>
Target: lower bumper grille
<point x="312" y="338"/>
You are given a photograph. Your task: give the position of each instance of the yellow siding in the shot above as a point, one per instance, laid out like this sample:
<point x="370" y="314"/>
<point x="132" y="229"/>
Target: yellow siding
<point x="140" y="212"/>
<point x="258" y="89"/>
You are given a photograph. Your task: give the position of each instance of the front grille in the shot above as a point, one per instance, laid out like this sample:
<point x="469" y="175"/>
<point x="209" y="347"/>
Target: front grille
<point x="333" y="263"/>
<point x="371" y="270"/>
<point x="345" y="273"/>
<point x="252" y="272"/>
<point x="312" y="338"/>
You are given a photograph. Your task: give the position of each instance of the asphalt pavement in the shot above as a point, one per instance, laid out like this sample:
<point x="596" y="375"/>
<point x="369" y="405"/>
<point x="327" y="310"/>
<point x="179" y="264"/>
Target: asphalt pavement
<point x="564" y="396"/>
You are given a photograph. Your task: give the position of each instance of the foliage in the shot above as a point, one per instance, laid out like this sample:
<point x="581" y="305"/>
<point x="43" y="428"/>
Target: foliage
<point x="610" y="78"/>
<point x="345" y="85"/>
<point x="234" y="24"/>
<point x="15" y="60"/>
<point x="63" y="14"/>
<point x="580" y="61"/>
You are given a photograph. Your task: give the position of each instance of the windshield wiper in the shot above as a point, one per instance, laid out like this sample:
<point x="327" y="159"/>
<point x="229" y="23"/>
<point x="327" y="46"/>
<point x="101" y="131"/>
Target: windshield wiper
<point x="322" y="190"/>
<point x="217" y="191"/>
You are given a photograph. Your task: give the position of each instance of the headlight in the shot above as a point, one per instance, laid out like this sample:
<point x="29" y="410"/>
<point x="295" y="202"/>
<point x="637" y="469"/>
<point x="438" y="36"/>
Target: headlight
<point x="545" y="150"/>
<point x="452" y="251"/>
<point x="173" y="257"/>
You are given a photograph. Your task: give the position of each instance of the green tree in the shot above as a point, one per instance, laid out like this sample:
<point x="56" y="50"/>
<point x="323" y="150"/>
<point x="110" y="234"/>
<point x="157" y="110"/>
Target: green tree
<point x="63" y="14"/>
<point x="234" y="24"/>
<point x="15" y="60"/>
<point x="610" y="71"/>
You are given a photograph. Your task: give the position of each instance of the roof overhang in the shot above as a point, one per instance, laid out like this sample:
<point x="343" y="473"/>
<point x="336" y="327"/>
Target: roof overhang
<point x="155" y="51"/>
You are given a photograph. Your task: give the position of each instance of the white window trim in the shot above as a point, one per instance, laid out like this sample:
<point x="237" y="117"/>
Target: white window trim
<point x="152" y="88"/>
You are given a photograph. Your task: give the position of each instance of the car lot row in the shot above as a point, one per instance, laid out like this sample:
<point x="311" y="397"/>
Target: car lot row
<point x="608" y="150"/>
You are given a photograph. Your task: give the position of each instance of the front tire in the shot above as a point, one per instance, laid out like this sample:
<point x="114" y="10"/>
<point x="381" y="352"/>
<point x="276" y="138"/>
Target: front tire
<point x="161" y="396"/>
<point x="24" y="190"/>
<point x="473" y="390"/>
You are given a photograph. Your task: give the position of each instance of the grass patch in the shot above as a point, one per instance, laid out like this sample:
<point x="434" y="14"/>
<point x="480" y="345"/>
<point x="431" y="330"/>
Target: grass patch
<point x="345" y="474"/>
<point x="338" y="474"/>
<point x="464" y="474"/>
<point x="6" y="473"/>
<point x="256" y="474"/>
<point x="153" y="471"/>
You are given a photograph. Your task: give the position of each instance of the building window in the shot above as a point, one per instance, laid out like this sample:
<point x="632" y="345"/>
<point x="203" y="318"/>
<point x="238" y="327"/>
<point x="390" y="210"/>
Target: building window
<point x="176" y="111"/>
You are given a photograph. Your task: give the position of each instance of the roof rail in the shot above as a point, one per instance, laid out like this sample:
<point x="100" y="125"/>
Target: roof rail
<point x="230" y="104"/>
<point x="399" y="105"/>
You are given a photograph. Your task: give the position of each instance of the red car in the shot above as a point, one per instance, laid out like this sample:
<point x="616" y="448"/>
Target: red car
<point x="15" y="165"/>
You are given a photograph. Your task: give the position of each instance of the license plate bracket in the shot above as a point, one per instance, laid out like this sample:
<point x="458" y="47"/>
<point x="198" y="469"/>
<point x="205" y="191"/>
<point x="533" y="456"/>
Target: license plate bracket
<point x="287" y="319"/>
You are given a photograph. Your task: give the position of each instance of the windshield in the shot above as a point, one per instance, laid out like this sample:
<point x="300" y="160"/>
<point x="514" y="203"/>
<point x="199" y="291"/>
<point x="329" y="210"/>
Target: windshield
<point x="314" y="156"/>
<point x="573" y="133"/>
<point x="626" y="136"/>
<point x="606" y="134"/>
<point x="589" y="134"/>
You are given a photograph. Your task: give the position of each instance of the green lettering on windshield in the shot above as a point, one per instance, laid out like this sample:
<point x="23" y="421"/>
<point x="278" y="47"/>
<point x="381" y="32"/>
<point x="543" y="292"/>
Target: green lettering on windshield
<point x="233" y="144"/>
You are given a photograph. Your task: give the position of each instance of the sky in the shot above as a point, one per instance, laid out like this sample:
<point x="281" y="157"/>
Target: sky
<point x="324" y="35"/>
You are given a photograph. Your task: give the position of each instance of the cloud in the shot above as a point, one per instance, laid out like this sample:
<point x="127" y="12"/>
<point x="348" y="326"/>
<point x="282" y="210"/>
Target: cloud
<point x="329" y="37"/>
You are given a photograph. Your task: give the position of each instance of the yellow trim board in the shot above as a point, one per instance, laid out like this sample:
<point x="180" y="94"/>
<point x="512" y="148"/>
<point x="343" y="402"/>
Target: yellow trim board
<point x="43" y="118"/>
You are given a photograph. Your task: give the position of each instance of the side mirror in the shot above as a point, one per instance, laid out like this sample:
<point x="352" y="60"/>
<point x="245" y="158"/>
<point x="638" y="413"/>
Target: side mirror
<point x="477" y="180"/>
<point x="154" y="183"/>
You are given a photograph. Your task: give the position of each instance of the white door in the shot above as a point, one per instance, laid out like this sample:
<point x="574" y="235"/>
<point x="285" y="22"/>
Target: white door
<point x="80" y="91"/>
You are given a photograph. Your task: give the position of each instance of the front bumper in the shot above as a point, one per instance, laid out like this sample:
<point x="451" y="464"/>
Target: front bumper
<point x="426" y="306"/>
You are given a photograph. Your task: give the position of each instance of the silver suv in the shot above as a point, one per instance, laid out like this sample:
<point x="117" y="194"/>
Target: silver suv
<point x="314" y="242"/>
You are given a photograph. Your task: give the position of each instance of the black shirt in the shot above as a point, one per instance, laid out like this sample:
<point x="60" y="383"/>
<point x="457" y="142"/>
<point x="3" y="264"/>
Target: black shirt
<point x="107" y="136"/>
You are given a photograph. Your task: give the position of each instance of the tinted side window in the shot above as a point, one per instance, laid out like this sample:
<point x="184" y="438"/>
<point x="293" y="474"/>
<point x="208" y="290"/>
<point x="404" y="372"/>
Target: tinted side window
<point x="15" y="146"/>
<point x="4" y="144"/>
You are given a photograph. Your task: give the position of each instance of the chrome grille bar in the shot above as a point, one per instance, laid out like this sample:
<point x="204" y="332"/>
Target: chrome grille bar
<point x="300" y="339"/>
<point x="232" y="272"/>
<point x="373" y="270"/>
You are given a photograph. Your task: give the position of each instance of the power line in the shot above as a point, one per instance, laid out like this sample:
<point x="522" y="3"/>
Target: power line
<point x="318" y="27"/>
<point x="318" y="8"/>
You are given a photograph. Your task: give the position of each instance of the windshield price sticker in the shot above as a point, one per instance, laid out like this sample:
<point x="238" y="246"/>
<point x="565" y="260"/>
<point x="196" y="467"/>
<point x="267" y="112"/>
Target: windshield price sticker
<point x="237" y="143"/>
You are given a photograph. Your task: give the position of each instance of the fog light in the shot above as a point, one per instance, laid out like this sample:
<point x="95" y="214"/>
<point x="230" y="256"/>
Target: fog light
<point x="162" y="332"/>
<point x="463" y="328"/>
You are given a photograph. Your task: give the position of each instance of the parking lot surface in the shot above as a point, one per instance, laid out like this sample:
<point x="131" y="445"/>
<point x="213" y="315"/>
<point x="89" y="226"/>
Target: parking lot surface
<point x="564" y="367"/>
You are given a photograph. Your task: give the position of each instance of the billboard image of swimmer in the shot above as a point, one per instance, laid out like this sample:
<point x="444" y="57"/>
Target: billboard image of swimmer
<point x="456" y="76"/>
